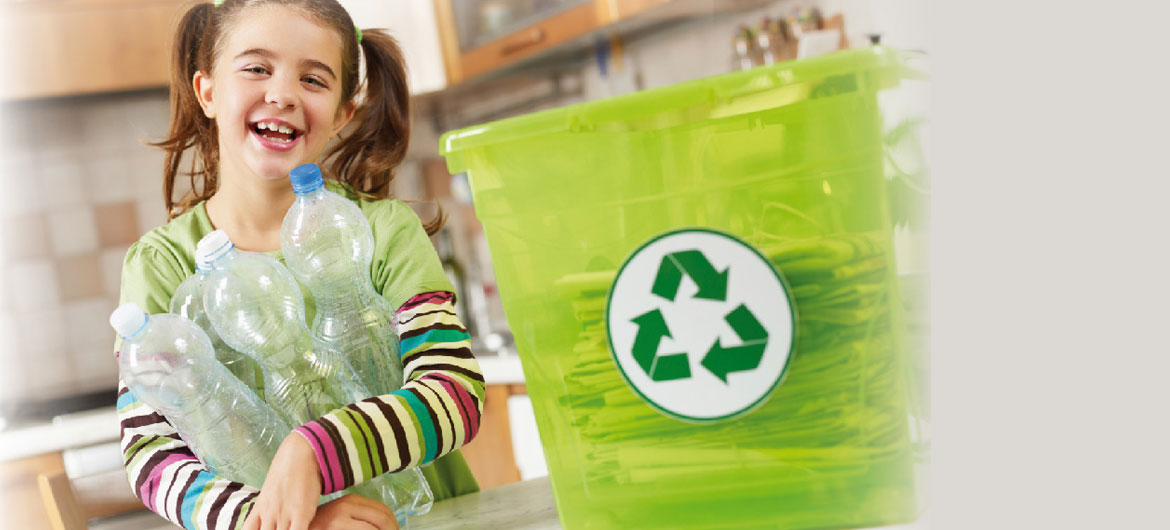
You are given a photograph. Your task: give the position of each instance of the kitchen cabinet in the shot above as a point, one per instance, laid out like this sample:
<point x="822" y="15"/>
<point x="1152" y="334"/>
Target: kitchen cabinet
<point x="480" y="36"/>
<point x="71" y="47"/>
<point x="68" y="47"/>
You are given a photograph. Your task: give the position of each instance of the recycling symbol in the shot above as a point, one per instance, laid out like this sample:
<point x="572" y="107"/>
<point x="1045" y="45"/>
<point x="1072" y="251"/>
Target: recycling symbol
<point x="700" y="324"/>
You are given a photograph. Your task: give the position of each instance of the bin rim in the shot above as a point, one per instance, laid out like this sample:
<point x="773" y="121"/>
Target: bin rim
<point x="723" y="86"/>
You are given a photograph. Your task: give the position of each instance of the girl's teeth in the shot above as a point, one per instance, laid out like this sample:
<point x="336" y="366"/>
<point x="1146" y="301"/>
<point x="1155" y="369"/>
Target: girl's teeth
<point x="262" y="126"/>
<point x="274" y="127"/>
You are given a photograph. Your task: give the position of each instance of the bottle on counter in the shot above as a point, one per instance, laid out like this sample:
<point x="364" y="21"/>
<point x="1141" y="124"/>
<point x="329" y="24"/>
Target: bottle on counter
<point x="766" y="42"/>
<point x="746" y="51"/>
<point x="169" y="363"/>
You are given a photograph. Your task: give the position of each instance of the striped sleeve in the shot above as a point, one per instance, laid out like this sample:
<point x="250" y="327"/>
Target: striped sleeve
<point x="437" y="411"/>
<point x="167" y="477"/>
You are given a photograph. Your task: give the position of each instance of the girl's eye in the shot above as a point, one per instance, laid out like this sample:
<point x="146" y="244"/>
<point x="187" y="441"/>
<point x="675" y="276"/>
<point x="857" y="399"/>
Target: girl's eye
<point x="315" y="81"/>
<point x="256" y="69"/>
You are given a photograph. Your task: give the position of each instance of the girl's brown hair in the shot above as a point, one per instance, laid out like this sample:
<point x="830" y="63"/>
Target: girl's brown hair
<point x="365" y="158"/>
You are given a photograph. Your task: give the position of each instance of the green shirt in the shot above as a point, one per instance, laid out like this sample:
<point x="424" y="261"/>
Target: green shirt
<point x="405" y="264"/>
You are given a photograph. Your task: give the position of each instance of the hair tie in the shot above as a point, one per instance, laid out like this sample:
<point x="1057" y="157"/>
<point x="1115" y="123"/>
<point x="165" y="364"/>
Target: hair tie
<point x="356" y="30"/>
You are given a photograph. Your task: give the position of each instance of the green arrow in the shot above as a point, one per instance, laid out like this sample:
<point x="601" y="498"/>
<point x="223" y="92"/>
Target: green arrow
<point x="712" y="284"/>
<point x="722" y="361"/>
<point x="651" y="329"/>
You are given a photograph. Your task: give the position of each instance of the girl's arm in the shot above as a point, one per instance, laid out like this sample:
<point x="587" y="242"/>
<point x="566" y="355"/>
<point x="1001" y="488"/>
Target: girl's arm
<point x="167" y="477"/>
<point x="435" y="412"/>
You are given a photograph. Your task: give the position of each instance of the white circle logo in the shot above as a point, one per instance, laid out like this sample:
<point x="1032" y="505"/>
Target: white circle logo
<point x="700" y="324"/>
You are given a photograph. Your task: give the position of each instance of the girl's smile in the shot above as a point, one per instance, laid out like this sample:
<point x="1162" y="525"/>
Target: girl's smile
<point x="275" y="134"/>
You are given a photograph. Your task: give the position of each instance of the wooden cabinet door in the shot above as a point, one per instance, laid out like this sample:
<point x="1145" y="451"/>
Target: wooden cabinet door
<point x="464" y="63"/>
<point x="66" y="47"/>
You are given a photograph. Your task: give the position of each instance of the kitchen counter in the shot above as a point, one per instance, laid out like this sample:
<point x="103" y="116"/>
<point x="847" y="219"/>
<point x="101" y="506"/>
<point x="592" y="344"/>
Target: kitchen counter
<point x="101" y="425"/>
<point x="526" y="505"/>
<point x="63" y="432"/>
<point x="501" y="369"/>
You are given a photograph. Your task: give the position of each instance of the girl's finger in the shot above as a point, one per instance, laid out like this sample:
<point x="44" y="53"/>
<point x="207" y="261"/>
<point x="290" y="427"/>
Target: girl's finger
<point x="358" y="524"/>
<point x="300" y="522"/>
<point x="377" y="515"/>
<point x="372" y="504"/>
<point x="375" y="505"/>
<point x="347" y="523"/>
<point x="252" y="521"/>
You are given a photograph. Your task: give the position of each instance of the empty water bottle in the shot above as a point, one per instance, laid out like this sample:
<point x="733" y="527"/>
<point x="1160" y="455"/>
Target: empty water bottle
<point x="256" y="307"/>
<point x="169" y="364"/>
<point x="188" y="302"/>
<point x="254" y="303"/>
<point x="328" y="247"/>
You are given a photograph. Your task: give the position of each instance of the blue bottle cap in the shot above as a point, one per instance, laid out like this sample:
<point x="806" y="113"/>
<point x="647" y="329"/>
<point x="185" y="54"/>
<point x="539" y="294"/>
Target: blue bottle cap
<point x="306" y="178"/>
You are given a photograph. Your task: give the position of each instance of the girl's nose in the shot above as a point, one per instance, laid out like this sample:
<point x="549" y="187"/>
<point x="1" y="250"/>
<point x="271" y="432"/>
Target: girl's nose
<point x="280" y="94"/>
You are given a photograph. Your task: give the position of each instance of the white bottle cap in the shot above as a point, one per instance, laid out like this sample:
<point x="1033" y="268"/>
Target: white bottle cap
<point x="127" y="319"/>
<point x="211" y="247"/>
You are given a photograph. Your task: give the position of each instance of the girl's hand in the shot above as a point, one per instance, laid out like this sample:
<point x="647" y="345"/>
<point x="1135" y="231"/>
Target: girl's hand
<point x="288" y="498"/>
<point x="354" y="512"/>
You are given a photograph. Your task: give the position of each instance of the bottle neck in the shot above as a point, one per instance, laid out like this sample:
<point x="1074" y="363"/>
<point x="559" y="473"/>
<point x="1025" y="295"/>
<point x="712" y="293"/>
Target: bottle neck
<point x="285" y="355"/>
<point x="138" y="333"/>
<point x="221" y="260"/>
<point x="337" y="315"/>
<point x="356" y="293"/>
<point x="313" y="195"/>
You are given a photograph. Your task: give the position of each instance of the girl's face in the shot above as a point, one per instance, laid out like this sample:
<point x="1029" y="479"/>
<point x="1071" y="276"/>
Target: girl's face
<point x="275" y="93"/>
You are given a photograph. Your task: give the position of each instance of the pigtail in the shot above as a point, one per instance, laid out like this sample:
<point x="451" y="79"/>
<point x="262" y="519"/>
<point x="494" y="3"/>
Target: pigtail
<point x="189" y="126"/>
<point x="368" y="157"/>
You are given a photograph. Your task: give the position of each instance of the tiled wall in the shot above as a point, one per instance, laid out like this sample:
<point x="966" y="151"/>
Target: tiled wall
<point x="76" y="188"/>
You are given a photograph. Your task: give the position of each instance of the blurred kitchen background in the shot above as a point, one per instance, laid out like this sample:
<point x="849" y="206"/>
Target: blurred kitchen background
<point x="86" y="86"/>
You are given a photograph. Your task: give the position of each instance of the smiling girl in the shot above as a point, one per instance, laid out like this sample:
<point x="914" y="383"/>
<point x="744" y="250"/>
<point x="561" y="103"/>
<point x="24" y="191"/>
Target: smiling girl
<point x="260" y="87"/>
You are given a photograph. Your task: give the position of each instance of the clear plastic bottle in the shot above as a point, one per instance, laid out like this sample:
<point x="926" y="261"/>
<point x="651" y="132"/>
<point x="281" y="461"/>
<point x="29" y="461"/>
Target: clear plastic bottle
<point x="169" y="364"/>
<point x="254" y="303"/>
<point x="188" y="303"/>
<point x="328" y="247"/>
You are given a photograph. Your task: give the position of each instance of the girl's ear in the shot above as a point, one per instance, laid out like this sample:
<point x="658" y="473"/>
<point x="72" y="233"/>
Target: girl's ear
<point x="344" y="114"/>
<point x="204" y="91"/>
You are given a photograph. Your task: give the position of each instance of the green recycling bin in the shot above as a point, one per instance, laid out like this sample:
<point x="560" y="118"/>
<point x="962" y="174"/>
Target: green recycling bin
<point x="702" y="289"/>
